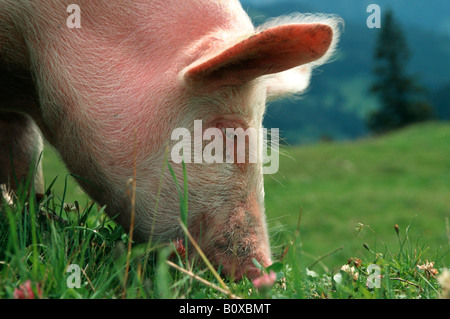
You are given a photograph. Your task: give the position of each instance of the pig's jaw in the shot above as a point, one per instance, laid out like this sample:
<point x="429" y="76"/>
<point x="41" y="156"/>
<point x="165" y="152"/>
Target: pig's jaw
<point x="232" y="240"/>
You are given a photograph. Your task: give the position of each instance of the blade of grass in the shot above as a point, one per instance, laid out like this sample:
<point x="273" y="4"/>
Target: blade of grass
<point x="150" y="238"/>
<point x="183" y="203"/>
<point x="325" y="256"/>
<point x="205" y="259"/>
<point x="183" y="212"/>
<point x="133" y="211"/>
<point x="297" y="234"/>
<point x="33" y="214"/>
<point x="185" y="194"/>
<point x="202" y="280"/>
<point x="13" y="235"/>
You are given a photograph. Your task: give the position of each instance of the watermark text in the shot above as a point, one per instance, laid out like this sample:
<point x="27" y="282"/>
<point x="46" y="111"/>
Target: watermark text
<point x="227" y="145"/>
<point x="374" y="19"/>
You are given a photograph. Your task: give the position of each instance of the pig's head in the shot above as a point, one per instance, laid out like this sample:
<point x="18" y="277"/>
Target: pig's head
<point x="126" y="92"/>
<point x="229" y="88"/>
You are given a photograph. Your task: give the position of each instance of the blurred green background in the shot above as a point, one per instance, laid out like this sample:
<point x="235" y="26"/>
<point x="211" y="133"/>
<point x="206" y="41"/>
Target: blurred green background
<point x="402" y="178"/>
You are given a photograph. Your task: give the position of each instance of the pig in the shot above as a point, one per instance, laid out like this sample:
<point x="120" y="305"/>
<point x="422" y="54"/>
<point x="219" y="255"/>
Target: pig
<point x="108" y="93"/>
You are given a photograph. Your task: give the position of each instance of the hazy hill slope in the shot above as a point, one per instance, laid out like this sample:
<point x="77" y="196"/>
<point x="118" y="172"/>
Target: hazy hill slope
<point x="401" y="178"/>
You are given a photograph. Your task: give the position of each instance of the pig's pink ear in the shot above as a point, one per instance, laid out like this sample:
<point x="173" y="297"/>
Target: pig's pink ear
<point x="271" y="51"/>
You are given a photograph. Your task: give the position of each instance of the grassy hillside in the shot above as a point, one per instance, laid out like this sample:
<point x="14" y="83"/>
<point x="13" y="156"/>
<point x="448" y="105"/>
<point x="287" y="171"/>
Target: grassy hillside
<point x="402" y="178"/>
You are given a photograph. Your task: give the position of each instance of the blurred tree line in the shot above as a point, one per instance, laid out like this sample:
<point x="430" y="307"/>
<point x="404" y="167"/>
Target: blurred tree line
<point x="403" y="101"/>
<point x="441" y="100"/>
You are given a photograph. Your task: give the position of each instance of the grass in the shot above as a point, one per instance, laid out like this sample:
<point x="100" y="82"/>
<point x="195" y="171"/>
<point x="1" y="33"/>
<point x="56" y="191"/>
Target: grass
<point x="351" y="196"/>
<point x="402" y="178"/>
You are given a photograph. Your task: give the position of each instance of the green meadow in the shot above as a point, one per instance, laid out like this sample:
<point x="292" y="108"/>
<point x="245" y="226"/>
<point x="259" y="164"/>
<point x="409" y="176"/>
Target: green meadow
<point x="330" y="204"/>
<point x="399" y="179"/>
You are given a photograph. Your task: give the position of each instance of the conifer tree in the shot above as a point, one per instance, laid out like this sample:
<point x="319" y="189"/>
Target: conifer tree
<point x="399" y="94"/>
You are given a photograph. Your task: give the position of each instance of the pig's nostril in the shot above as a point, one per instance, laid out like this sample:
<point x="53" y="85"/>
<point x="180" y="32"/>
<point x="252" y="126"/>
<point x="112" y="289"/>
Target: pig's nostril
<point x="237" y="268"/>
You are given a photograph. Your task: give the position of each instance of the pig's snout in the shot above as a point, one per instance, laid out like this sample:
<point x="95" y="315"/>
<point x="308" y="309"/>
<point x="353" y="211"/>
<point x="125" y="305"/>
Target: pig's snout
<point x="233" y="239"/>
<point x="237" y="270"/>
